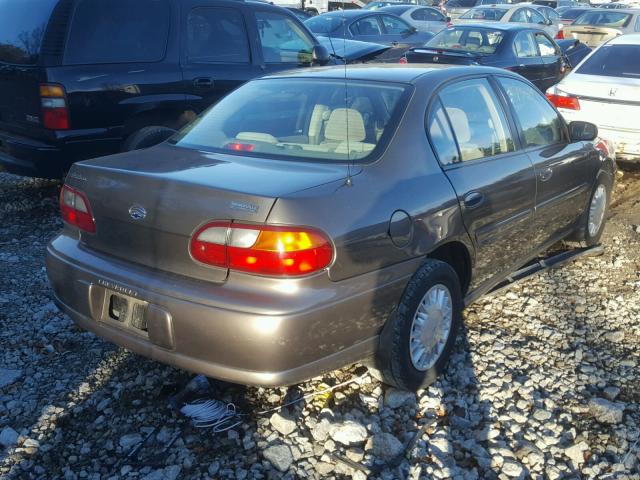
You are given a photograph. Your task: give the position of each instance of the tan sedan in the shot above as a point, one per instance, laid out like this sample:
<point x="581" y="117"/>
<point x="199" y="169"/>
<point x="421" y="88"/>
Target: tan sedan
<point x="599" y="25"/>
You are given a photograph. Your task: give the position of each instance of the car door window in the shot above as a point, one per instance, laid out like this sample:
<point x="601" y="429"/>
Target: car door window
<point x="637" y="24"/>
<point x="366" y="26"/>
<point x="540" y="123"/>
<point x="283" y="40"/>
<point x="545" y="45"/>
<point x="428" y="15"/>
<point x="395" y="26"/>
<point x="524" y="45"/>
<point x="552" y="14"/>
<point x="519" y="16"/>
<point x="441" y="135"/>
<point x="476" y="117"/>
<point x="216" y="35"/>
<point x="536" y="17"/>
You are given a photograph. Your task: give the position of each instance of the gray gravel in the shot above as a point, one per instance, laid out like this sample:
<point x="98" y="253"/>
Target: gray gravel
<point x="544" y="383"/>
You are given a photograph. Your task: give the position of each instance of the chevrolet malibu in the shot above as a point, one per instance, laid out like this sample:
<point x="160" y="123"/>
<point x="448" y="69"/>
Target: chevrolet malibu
<point x="316" y="218"/>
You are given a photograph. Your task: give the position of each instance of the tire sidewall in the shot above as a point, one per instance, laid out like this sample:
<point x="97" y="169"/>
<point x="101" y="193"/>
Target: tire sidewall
<point x="147" y="137"/>
<point x="590" y="240"/>
<point x="401" y="364"/>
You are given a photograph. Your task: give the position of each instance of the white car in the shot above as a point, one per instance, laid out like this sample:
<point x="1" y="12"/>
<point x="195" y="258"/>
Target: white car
<point x="424" y="19"/>
<point x="605" y="89"/>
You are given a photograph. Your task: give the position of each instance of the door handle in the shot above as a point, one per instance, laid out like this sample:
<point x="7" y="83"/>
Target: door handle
<point x="203" y="82"/>
<point x="473" y="199"/>
<point x="546" y="174"/>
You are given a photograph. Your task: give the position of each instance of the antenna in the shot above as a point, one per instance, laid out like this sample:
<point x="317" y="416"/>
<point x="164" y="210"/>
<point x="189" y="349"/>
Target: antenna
<point x="349" y="181"/>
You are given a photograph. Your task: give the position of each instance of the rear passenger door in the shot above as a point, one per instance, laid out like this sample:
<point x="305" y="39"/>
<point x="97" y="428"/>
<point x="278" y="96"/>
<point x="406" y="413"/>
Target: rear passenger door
<point x="216" y="56"/>
<point x="528" y="61"/>
<point x="476" y="144"/>
<point x="564" y="170"/>
<point x="551" y="59"/>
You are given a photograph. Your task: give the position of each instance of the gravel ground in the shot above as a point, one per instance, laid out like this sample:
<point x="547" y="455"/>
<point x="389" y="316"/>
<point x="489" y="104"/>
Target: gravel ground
<point x="545" y="383"/>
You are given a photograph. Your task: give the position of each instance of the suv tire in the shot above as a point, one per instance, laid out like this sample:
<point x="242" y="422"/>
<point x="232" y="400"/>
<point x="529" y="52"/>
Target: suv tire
<point x="147" y="137"/>
<point x="418" y="313"/>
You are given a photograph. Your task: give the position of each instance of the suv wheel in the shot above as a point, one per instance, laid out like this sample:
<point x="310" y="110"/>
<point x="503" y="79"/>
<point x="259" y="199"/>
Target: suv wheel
<point x="417" y="341"/>
<point x="147" y="137"/>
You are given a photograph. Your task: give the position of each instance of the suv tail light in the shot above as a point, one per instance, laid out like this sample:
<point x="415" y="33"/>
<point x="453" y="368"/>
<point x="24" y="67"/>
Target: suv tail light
<point x="564" y="101"/>
<point x="76" y="209"/>
<point x="53" y="101"/>
<point x="262" y="249"/>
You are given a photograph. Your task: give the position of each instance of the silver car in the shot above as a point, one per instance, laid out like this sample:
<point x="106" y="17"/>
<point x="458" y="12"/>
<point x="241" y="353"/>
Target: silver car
<point x="455" y="8"/>
<point x="508" y="14"/>
<point x="424" y="19"/>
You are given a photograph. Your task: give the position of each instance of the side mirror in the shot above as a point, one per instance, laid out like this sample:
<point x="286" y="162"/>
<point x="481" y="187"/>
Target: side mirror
<point x="320" y="55"/>
<point x="582" y="131"/>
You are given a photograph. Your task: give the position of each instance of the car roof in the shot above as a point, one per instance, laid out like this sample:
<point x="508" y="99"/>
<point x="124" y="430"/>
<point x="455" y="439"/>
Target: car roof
<point x="351" y="13"/>
<point x="400" y="9"/>
<point x="493" y="7"/>
<point x="628" y="39"/>
<point x="506" y="26"/>
<point x="392" y="73"/>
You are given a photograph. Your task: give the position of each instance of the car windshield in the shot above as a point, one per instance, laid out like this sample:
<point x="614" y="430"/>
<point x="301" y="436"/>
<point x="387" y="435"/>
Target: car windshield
<point x="324" y="23"/>
<point x="613" y="61"/>
<point x="479" y="40"/>
<point x="493" y="14"/>
<point x="605" y="18"/>
<point x="303" y="119"/>
<point x="22" y="29"/>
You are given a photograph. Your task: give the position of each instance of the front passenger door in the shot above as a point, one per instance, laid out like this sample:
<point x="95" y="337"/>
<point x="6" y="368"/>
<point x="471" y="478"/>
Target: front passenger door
<point x="494" y="182"/>
<point x="564" y="170"/>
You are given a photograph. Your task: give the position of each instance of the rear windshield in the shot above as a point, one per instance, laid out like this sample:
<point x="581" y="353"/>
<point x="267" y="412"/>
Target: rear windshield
<point x="479" y="13"/>
<point x="475" y="40"/>
<point x="324" y="23"/>
<point x="603" y="17"/>
<point x="613" y="61"/>
<point x="22" y="27"/>
<point x="118" y="31"/>
<point x="303" y="119"/>
<point x="572" y="13"/>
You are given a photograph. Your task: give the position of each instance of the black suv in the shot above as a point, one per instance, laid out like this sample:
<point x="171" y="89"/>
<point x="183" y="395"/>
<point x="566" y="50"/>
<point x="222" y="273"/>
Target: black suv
<point x="84" y="78"/>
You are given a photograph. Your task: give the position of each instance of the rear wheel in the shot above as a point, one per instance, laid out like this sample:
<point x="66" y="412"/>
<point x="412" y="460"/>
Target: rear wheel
<point x="147" y="137"/>
<point x="416" y="344"/>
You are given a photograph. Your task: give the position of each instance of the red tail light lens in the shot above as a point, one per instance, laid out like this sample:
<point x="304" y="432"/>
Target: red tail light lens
<point x="262" y="249"/>
<point x="53" y="101"/>
<point x="76" y="209"/>
<point x="403" y="60"/>
<point x="564" y="101"/>
<point x="560" y="35"/>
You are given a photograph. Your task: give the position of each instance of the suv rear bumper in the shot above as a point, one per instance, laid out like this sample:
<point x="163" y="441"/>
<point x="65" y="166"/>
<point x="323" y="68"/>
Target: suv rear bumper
<point x="271" y="333"/>
<point x="27" y="156"/>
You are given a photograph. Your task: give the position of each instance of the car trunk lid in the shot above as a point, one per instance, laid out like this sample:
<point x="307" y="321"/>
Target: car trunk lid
<point x="433" y="55"/>
<point x="591" y="35"/>
<point x="147" y="204"/>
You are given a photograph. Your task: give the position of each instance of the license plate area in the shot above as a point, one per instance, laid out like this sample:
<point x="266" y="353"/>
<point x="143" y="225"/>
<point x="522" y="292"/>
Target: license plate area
<point x="125" y="311"/>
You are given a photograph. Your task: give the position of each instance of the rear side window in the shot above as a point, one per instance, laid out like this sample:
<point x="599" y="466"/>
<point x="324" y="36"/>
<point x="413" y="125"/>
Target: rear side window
<point x="442" y="137"/>
<point x="546" y="46"/>
<point x="524" y="45"/>
<point x="540" y="123"/>
<point x="613" y="61"/>
<point x="477" y="119"/>
<point x="428" y="15"/>
<point x="118" y="31"/>
<point x="216" y="35"/>
<point x="22" y="27"/>
<point x="282" y="39"/>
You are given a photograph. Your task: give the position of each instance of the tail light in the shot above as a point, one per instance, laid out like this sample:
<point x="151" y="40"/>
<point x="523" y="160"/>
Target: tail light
<point x="564" y="101"/>
<point x="403" y="60"/>
<point x="262" y="249"/>
<point x="55" y="112"/>
<point x="76" y="209"/>
<point x="559" y="35"/>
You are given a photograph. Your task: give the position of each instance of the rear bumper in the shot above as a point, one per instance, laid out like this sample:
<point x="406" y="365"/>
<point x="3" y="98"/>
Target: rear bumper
<point x="30" y="157"/>
<point x="274" y="333"/>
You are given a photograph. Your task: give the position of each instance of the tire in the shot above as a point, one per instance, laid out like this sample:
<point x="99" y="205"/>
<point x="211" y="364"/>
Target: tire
<point x="590" y="236"/>
<point x="147" y="137"/>
<point x="394" y="358"/>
